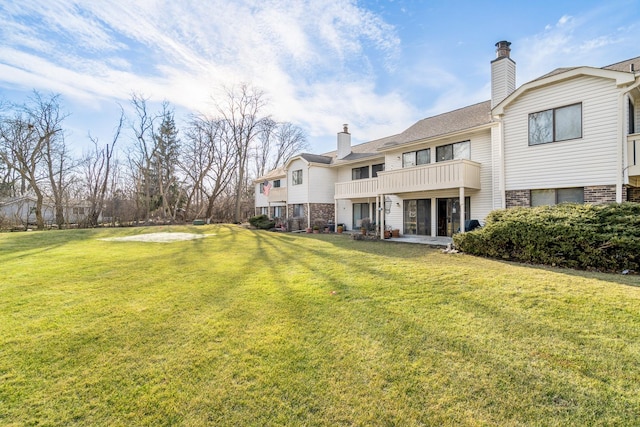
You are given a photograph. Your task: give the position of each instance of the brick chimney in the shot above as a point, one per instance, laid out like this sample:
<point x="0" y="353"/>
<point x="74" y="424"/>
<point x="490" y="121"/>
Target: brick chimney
<point x="503" y="73"/>
<point x="344" y="142"/>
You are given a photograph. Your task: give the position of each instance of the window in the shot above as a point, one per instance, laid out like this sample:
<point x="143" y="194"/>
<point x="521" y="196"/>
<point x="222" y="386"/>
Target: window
<point x="296" y="177"/>
<point x="558" y="124"/>
<point x="298" y="211"/>
<point x="459" y="150"/>
<point x="278" y="211"/>
<point x="360" y="173"/>
<point x="414" y="158"/>
<point x="376" y="168"/>
<point x="556" y="196"/>
<point x="276" y="183"/>
<point x="78" y="211"/>
<point x="264" y="210"/>
<point x="632" y="117"/>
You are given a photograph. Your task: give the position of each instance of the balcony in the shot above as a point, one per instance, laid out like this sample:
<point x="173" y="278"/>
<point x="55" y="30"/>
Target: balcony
<point x="434" y="176"/>
<point x="633" y="158"/>
<point x="357" y="188"/>
<point x="277" y="195"/>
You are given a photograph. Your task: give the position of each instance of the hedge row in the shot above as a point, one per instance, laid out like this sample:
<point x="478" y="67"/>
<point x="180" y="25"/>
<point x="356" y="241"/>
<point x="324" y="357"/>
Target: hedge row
<point x="262" y="222"/>
<point x="592" y="237"/>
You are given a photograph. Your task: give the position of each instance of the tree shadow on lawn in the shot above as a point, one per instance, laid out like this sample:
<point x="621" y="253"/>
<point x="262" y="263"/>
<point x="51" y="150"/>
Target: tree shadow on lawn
<point x="402" y="251"/>
<point x="617" y="278"/>
<point x="19" y="245"/>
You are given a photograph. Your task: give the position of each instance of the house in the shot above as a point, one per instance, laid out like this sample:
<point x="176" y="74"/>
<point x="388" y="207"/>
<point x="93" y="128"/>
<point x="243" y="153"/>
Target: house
<point x="568" y="136"/>
<point x="20" y="211"/>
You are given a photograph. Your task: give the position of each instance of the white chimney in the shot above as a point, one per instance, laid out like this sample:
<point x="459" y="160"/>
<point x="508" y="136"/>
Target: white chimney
<point x="344" y="142"/>
<point x="503" y="73"/>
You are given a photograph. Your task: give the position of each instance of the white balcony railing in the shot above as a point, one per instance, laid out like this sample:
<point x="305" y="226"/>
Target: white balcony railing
<point x="277" y="195"/>
<point x="434" y="176"/>
<point x="357" y="188"/>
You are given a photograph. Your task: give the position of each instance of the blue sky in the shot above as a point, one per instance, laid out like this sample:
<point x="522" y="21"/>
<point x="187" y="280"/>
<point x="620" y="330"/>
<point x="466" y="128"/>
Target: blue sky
<point x="377" y="65"/>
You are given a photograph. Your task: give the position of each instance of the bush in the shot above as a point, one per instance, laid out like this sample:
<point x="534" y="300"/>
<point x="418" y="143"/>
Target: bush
<point x="599" y="237"/>
<point x="262" y="222"/>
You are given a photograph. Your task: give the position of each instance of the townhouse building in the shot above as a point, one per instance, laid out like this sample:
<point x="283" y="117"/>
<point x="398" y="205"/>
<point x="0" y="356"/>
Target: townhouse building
<point x="567" y="136"/>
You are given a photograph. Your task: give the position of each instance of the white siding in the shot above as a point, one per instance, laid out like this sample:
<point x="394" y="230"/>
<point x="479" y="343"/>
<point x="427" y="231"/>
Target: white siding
<point x="321" y="184"/>
<point x="482" y="201"/>
<point x="297" y="193"/>
<point x="590" y="160"/>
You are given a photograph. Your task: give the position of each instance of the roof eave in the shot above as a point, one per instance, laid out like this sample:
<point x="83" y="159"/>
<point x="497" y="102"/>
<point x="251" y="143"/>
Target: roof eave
<point x="622" y="78"/>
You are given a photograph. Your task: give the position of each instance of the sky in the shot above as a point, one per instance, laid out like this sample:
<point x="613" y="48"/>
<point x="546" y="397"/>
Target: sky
<point x="377" y="65"/>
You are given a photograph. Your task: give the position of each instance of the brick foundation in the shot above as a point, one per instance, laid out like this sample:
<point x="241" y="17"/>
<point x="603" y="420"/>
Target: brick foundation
<point x="600" y="194"/>
<point x="633" y="194"/>
<point x="518" y="198"/>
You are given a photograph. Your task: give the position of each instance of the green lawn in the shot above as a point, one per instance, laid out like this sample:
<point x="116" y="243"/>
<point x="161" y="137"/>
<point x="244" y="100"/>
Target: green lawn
<point x="258" y="328"/>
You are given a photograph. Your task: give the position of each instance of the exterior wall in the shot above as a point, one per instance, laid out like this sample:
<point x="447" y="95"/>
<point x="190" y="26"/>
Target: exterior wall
<point x="518" y="198"/>
<point x="321" y="213"/>
<point x="482" y="201"/>
<point x="600" y="194"/>
<point x="588" y="161"/>
<point x="298" y="193"/>
<point x="321" y="184"/>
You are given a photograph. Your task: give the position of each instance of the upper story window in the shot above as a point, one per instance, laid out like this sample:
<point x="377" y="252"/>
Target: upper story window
<point x="376" y="168"/>
<point x="458" y="150"/>
<point x="414" y="158"/>
<point x="276" y="183"/>
<point x="556" y="124"/>
<point x="296" y="177"/>
<point x="360" y="173"/>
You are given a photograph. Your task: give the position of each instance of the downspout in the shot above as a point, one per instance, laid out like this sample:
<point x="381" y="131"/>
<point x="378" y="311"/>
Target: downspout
<point x="308" y="196"/>
<point x="620" y="168"/>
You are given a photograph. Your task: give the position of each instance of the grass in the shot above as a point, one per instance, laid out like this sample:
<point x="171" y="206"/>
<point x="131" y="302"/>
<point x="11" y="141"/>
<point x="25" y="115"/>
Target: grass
<point x="259" y="328"/>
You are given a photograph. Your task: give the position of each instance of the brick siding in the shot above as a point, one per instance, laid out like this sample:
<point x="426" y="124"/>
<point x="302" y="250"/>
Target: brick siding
<point x="633" y="194"/>
<point x="518" y="198"/>
<point x="600" y="194"/>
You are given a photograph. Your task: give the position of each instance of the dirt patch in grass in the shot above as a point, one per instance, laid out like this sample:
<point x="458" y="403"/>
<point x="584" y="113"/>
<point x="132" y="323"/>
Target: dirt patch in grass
<point x="159" y="237"/>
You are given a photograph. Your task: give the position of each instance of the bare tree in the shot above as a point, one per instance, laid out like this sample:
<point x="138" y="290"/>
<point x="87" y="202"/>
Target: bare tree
<point x="240" y="110"/>
<point x="208" y="163"/>
<point x="23" y="141"/>
<point x="264" y="145"/>
<point x="47" y="119"/>
<point x="289" y="140"/>
<point x="142" y="154"/>
<point x="97" y="168"/>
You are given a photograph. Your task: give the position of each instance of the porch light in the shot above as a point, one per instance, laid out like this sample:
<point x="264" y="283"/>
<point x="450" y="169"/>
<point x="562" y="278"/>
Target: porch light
<point x="387" y="204"/>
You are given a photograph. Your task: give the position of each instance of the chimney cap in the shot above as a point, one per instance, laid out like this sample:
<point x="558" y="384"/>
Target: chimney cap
<point x="345" y="128"/>
<point x="502" y="49"/>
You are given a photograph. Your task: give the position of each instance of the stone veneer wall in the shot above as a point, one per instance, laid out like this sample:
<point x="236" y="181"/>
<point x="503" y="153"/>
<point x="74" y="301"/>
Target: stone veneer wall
<point x="633" y="194"/>
<point x="321" y="214"/>
<point x="518" y="198"/>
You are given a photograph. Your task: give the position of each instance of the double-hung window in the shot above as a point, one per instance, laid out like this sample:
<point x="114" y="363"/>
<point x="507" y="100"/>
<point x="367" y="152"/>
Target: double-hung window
<point x="556" y="124"/>
<point x="296" y="177"/>
<point x="298" y="210"/>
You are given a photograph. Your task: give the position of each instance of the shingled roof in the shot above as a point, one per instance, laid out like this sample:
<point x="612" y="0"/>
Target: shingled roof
<point x="450" y="122"/>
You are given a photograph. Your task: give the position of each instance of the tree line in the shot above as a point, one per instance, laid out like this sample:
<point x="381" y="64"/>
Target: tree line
<point x="150" y="170"/>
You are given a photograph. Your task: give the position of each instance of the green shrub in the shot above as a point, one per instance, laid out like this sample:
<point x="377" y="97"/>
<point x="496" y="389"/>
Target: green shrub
<point x="262" y="222"/>
<point x="600" y="237"/>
